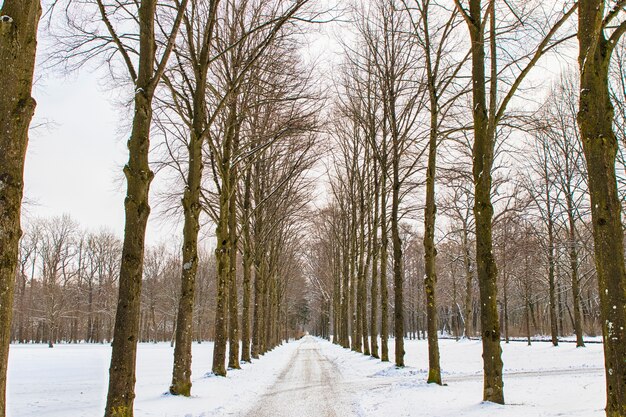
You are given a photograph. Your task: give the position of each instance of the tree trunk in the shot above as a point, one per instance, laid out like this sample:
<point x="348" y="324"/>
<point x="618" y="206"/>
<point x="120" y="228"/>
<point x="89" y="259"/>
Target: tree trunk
<point x="259" y="266"/>
<point x="138" y="176"/>
<point x="247" y="271"/>
<point x="374" y="285"/>
<point x="467" y="322"/>
<point x="483" y="151"/>
<point x="345" y="289"/>
<point x="233" y="329"/>
<point x="595" y="119"/>
<point x="573" y="259"/>
<point x="384" y="291"/>
<point x="430" y="252"/>
<point x="181" y="375"/>
<point x="225" y="244"/>
<point x="506" y="306"/>
<point x="18" y="44"/>
<point x="551" y="283"/>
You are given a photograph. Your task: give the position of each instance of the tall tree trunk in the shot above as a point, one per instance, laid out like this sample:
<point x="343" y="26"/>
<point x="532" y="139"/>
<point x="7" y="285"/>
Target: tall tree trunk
<point x="355" y="339"/>
<point x="337" y="294"/>
<point x="363" y="265"/>
<point x="595" y="119"/>
<point x="18" y="45"/>
<point x="551" y="279"/>
<point x="384" y="290"/>
<point x="430" y="252"/>
<point x="247" y="271"/>
<point x="505" y="293"/>
<point x="573" y="261"/>
<point x="233" y="304"/>
<point x="259" y="266"/>
<point x="345" y="289"/>
<point x="222" y="253"/>
<point x="364" y="326"/>
<point x="469" y="287"/>
<point x="374" y="285"/>
<point x="181" y="375"/>
<point x="483" y="152"/>
<point x="225" y="243"/>
<point x="397" y="258"/>
<point x="121" y="394"/>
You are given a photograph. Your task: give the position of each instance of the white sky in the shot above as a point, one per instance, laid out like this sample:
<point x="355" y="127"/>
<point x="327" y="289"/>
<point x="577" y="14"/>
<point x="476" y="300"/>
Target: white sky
<point x="74" y="160"/>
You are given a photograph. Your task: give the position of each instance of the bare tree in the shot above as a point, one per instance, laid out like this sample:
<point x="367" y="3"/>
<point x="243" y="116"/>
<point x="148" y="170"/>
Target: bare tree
<point x="599" y="31"/>
<point x="18" y="42"/>
<point x="488" y="111"/>
<point x="435" y="36"/>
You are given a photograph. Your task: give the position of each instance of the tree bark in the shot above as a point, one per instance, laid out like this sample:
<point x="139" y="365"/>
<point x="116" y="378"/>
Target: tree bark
<point x="397" y="252"/>
<point x="225" y="243"/>
<point x="247" y="271"/>
<point x="375" y="257"/>
<point x="181" y="374"/>
<point x="551" y="280"/>
<point x="18" y="45"/>
<point x="573" y="259"/>
<point x="469" y="287"/>
<point x="595" y="119"/>
<point x="384" y="290"/>
<point x="483" y="152"/>
<point x="430" y="252"/>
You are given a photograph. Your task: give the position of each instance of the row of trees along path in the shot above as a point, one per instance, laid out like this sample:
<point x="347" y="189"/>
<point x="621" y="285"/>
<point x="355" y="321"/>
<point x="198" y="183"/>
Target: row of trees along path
<point x="225" y="86"/>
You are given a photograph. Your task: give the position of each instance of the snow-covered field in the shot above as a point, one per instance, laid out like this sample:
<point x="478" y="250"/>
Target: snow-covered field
<point x="539" y="380"/>
<point x="71" y="380"/>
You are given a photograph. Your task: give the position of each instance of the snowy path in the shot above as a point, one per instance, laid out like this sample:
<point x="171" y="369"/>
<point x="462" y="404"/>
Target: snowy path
<point x="309" y="385"/>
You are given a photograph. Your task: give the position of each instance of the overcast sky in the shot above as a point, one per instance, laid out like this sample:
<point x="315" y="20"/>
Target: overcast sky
<point x="74" y="159"/>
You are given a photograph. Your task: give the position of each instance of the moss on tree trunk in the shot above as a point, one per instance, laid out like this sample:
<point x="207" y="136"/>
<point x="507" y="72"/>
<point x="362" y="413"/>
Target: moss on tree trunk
<point x="18" y="44"/>
<point x="595" y="119"/>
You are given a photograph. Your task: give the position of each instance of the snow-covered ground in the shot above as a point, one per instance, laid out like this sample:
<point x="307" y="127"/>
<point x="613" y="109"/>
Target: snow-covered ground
<point x="539" y="380"/>
<point x="70" y="381"/>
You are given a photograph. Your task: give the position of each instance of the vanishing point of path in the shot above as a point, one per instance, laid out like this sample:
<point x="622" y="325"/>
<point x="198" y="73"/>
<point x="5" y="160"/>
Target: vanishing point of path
<point x="310" y="385"/>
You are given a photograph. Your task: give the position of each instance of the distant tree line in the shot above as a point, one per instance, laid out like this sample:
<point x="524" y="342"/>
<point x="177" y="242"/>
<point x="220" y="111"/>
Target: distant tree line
<point x="67" y="285"/>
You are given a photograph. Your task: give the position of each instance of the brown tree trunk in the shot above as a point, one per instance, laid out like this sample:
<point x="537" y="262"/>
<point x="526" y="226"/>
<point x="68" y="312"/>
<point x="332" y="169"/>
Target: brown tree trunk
<point x="181" y="374"/>
<point x="467" y="263"/>
<point x="233" y="329"/>
<point x="483" y="151"/>
<point x="121" y="393"/>
<point x="259" y="266"/>
<point x="505" y="294"/>
<point x="551" y="280"/>
<point x="375" y="257"/>
<point x="225" y="244"/>
<point x="18" y="44"/>
<point x="573" y="259"/>
<point x="345" y="289"/>
<point x="222" y="253"/>
<point x="595" y="119"/>
<point x="247" y="272"/>
<point x="384" y="291"/>
<point x="138" y="176"/>
<point x="430" y="252"/>
<point x="397" y="258"/>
